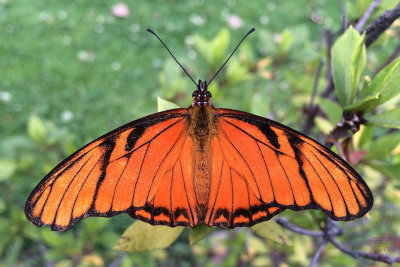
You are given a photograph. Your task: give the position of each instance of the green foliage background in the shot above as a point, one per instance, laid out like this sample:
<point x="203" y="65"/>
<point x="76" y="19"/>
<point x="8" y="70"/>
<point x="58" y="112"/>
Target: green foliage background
<point x="72" y="71"/>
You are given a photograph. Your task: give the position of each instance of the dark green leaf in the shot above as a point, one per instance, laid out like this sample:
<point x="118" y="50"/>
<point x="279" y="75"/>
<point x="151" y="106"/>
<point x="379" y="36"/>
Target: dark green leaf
<point x="390" y="119"/>
<point x="199" y="232"/>
<point x="141" y="236"/>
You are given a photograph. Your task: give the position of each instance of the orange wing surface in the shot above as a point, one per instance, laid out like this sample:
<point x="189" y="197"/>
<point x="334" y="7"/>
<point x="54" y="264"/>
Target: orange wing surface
<point x="261" y="167"/>
<point x="140" y="169"/>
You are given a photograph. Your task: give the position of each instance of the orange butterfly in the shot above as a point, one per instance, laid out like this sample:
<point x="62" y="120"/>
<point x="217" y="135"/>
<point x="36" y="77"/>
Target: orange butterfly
<point x="183" y="166"/>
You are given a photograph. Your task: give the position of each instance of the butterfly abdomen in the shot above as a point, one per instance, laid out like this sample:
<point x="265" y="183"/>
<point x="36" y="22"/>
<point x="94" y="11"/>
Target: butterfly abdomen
<point x="201" y="130"/>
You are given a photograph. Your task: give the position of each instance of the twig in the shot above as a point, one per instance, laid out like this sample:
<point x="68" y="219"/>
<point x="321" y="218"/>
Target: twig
<point x="383" y="22"/>
<point x="317" y="255"/>
<point x="316" y="81"/>
<point x="374" y="4"/>
<point x="345" y="19"/>
<point x="329" y="42"/>
<point x="285" y="223"/>
<point x="392" y="57"/>
<point x="309" y="123"/>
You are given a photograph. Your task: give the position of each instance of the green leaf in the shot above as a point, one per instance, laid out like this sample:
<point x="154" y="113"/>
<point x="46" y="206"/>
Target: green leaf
<point x="7" y="168"/>
<point x="218" y="48"/>
<point x="383" y="146"/>
<point x="213" y="51"/>
<point x="52" y="239"/>
<point x="237" y="72"/>
<point x="36" y="129"/>
<point x="390" y="119"/>
<point x="163" y="104"/>
<point x="332" y="110"/>
<point x="357" y="66"/>
<point x="141" y="236"/>
<point x="391" y="170"/>
<point x="203" y="47"/>
<point x="385" y="85"/>
<point x="171" y="79"/>
<point x="367" y="133"/>
<point x="272" y="231"/>
<point x="348" y="62"/>
<point x="286" y="42"/>
<point x="199" y="232"/>
<point x="363" y="104"/>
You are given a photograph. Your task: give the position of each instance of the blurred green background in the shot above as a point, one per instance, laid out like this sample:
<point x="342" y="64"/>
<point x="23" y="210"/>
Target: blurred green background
<point x="74" y="70"/>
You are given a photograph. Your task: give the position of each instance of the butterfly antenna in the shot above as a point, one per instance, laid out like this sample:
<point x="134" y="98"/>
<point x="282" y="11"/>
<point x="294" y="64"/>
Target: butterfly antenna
<point x="152" y="32"/>
<point x="247" y="34"/>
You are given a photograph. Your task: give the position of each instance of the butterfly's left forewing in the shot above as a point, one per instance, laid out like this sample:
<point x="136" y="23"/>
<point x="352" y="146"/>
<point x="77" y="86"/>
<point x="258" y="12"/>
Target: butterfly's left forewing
<point x="140" y="169"/>
<point x="261" y="167"/>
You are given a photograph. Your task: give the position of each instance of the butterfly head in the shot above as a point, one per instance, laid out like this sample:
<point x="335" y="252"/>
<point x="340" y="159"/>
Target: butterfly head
<point x="201" y="97"/>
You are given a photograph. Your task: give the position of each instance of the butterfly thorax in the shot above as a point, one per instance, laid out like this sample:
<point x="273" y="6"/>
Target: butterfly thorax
<point x="201" y="130"/>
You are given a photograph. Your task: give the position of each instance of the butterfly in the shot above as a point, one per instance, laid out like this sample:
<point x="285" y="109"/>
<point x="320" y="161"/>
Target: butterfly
<point x="185" y="166"/>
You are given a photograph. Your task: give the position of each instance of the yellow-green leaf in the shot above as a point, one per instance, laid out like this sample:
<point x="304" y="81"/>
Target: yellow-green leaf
<point x="141" y="236"/>
<point x="272" y="231"/>
<point x="218" y="48"/>
<point x="348" y="62"/>
<point x="7" y="168"/>
<point x="36" y="129"/>
<point x="386" y="85"/>
<point x="323" y="125"/>
<point x="199" y="232"/>
<point x="163" y="104"/>
<point x="332" y="109"/>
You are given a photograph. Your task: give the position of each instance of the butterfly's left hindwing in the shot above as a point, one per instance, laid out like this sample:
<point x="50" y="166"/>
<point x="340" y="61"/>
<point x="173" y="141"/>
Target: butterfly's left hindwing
<point x="139" y="168"/>
<point x="261" y="167"/>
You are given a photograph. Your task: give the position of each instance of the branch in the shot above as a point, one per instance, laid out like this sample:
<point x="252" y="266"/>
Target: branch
<point x="328" y="234"/>
<point x="384" y="21"/>
<point x="361" y="254"/>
